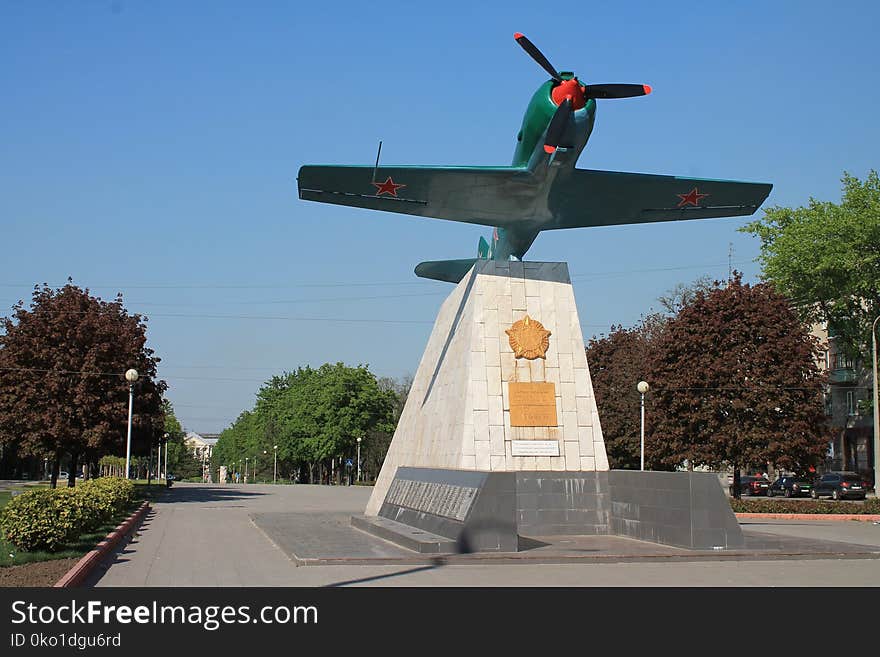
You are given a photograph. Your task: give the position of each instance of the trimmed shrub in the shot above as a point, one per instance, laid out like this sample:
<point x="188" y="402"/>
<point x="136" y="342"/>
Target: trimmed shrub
<point x="46" y="519"/>
<point x="870" y="506"/>
<point x="101" y="499"/>
<point x="78" y="507"/>
<point x="108" y="495"/>
<point x="40" y="520"/>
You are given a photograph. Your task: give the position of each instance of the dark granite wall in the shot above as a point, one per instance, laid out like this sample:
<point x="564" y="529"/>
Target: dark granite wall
<point x="684" y="509"/>
<point x="558" y="503"/>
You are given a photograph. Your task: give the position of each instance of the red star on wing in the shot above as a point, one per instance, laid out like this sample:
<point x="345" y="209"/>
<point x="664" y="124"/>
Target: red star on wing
<point x="388" y="187"/>
<point x="691" y="198"/>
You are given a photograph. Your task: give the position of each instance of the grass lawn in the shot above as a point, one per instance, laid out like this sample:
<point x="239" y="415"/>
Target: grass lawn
<point x="11" y="556"/>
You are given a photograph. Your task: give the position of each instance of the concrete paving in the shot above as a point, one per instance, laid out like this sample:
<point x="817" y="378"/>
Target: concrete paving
<point x="257" y="535"/>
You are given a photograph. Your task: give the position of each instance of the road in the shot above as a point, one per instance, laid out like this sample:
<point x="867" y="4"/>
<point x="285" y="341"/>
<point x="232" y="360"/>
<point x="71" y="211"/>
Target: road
<point x="205" y="535"/>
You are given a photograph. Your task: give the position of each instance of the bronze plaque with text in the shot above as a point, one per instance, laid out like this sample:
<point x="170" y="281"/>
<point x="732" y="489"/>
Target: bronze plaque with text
<point x="532" y="404"/>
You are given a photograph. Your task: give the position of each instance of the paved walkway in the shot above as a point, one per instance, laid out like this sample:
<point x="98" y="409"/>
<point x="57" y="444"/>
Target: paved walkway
<point x="206" y="535"/>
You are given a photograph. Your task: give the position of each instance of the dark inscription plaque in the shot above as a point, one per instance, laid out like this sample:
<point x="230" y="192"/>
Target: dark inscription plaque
<point x="443" y="500"/>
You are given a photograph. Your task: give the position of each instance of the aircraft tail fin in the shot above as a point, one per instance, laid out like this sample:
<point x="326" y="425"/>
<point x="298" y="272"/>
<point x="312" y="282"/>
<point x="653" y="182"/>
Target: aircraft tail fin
<point x="483" y="249"/>
<point x="451" y="271"/>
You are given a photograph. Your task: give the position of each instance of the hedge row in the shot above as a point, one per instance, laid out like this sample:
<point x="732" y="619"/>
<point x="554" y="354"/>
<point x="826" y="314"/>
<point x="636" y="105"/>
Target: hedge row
<point x="46" y="518"/>
<point x="869" y="506"/>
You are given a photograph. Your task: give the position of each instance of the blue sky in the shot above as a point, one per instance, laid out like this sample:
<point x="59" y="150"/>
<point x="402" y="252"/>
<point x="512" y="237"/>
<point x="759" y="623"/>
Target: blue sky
<point x="151" y="148"/>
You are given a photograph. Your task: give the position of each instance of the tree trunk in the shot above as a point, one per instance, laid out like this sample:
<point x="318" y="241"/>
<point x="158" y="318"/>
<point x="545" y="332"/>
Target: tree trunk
<point x="736" y="491"/>
<point x="56" y="468"/>
<point x="71" y="471"/>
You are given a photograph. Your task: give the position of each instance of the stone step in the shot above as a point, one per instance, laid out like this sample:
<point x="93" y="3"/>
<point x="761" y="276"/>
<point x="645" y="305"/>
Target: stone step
<point x="411" y="538"/>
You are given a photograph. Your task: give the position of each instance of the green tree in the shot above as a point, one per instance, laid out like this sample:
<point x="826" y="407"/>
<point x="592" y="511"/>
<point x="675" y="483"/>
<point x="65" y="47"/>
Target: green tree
<point x="240" y="440"/>
<point x="280" y="418"/>
<point x="375" y="444"/>
<point x="341" y="404"/>
<point x="826" y="257"/>
<point x="314" y="416"/>
<point x="734" y="381"/>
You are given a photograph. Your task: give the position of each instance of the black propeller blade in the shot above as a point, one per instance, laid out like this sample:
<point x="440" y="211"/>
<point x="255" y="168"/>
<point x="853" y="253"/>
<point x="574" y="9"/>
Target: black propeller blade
<point x="537" y="55"/>
<point x="616" y="90"/>
<point x="571" y="89"/>
<point x="557" y="126"/>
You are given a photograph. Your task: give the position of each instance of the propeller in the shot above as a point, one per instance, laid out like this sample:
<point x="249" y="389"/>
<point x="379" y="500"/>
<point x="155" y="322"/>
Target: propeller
<point x="557" y="126"/>
<point x="570" y="94"/>
<point x="616" y="90"/>
<point x="537" y="55"/>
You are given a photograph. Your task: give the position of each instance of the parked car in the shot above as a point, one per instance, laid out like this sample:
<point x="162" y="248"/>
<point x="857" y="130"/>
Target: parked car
<point x="839" y="486"/>
<point x="788" y="486"/>
<point x="750" y="485"/>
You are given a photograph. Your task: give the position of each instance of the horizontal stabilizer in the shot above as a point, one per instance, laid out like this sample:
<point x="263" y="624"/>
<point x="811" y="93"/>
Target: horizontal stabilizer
<point x="451" y="271"/>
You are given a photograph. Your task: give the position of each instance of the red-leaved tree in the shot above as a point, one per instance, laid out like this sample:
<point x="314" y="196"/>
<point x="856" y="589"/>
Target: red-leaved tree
<point x="618" y="362"/>
<point x="734" y="380"/>
<point x="62" y="386"/>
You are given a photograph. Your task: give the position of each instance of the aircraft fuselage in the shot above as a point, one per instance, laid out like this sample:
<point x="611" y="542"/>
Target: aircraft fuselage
<point x="543" y="167"/>
<point x="536" y="119"/>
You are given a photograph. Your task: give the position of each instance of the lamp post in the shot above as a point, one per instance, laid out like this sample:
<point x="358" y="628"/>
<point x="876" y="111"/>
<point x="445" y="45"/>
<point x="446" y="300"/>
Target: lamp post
<point x="131" y="376"/>
<point x="246" y="459"/>
<point x="876" y="411"/>
<point x="165" y="467"/>
<point x="275" y="465"/>
<point x="359" y="458"/>
<point x="643" y="387"/>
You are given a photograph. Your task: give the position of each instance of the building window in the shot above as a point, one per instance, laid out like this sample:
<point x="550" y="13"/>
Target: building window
<point x="842" y="362"/>
<point x="851" y="408"/>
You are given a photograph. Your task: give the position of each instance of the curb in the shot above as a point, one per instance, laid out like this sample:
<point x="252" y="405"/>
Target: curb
<point x="862" y="517"/>
<point x="84" y="567"/>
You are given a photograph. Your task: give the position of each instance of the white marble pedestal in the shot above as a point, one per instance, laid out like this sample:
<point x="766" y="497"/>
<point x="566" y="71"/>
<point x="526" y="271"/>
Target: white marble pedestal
<point x="457" y="415"/>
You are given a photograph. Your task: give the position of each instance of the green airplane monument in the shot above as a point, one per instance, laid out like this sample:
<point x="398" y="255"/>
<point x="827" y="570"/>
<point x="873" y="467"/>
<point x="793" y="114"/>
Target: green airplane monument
<point x="541" y="189"/>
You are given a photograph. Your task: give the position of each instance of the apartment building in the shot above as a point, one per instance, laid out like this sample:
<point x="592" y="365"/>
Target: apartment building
<point x="847" y="395"/>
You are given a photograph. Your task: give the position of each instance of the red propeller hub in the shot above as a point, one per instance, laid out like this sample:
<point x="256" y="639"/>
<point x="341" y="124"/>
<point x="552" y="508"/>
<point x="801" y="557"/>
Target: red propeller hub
<point x="571" y="89"/>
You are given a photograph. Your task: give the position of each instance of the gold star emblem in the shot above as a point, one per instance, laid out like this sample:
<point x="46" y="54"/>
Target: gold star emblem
<point x="528" y="339"/>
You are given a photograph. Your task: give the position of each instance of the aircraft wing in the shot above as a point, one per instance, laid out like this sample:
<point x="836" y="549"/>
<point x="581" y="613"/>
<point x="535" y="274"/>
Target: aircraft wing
<point x="586" y="197"/>
<point x="489" y="196"/>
